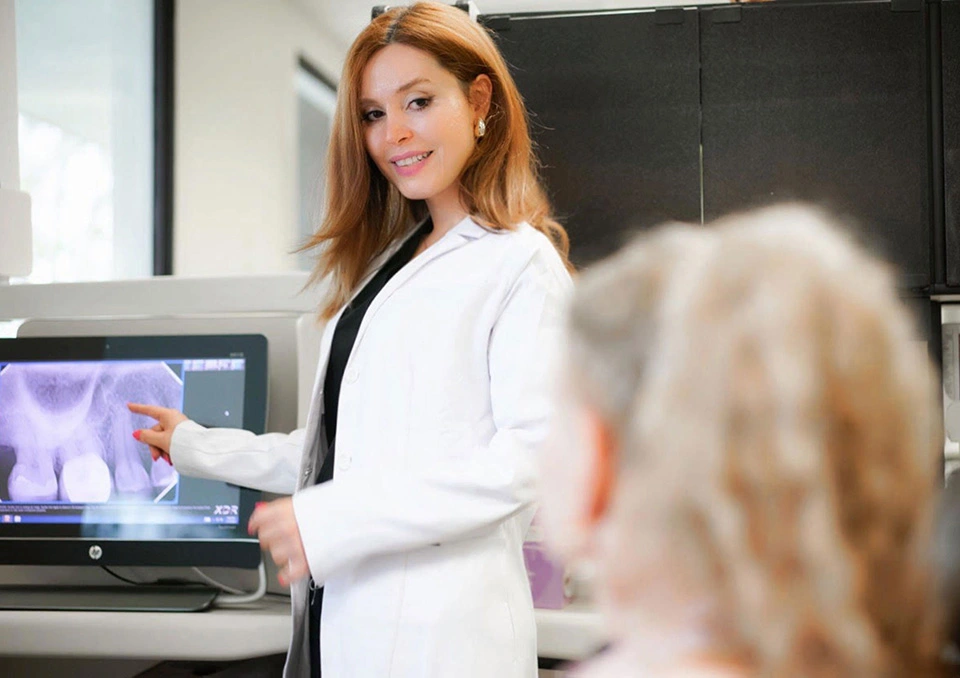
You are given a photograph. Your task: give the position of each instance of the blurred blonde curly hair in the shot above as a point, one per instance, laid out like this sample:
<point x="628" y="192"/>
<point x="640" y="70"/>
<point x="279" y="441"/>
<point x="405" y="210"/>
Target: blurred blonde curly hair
<point x="778" y="437"/>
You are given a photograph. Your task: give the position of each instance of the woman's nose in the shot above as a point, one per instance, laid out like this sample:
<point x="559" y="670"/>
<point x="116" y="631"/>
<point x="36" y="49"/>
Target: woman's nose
<point x="397" y="129"/>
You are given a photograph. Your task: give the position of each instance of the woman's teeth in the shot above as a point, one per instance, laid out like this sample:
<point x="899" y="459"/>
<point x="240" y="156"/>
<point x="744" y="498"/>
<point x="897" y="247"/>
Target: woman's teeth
<point x="406" y="162"/>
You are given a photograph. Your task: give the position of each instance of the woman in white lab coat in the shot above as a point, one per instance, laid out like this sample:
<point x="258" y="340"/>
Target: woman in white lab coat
<point x="413" y="480"/>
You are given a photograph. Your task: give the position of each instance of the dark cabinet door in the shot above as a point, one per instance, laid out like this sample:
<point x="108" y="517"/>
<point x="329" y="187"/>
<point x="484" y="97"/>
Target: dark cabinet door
<point x="825" y="103"/>
<point x="614" y="103"/>
<point x="950" y="32"/>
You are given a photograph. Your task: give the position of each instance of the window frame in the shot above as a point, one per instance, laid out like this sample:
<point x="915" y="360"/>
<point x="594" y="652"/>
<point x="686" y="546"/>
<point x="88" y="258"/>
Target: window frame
<point x="164" y="27"/>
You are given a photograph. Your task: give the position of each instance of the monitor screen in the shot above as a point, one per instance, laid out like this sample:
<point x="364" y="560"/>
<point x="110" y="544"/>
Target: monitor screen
<point x="76" y="487"/>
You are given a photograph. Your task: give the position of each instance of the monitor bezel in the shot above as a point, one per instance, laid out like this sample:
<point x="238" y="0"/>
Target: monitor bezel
<point x="69" y="546"/>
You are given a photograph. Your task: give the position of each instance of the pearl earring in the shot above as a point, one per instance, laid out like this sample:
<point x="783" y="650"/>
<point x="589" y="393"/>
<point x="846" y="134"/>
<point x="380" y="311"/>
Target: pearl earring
<point x="481" y="128"/>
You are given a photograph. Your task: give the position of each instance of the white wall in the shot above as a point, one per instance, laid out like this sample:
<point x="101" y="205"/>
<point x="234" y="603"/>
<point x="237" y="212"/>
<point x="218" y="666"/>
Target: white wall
<point x="235" y="168"/>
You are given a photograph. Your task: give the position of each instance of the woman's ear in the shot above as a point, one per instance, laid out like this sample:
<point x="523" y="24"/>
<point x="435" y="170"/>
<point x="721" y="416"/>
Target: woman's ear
<point x="481" y="93"/>
<point x="604" y="445"/>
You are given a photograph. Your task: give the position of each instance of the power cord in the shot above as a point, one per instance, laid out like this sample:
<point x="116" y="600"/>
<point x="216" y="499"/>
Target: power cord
<point x="248" y="598"/>
<point x="217" y="585"/>
<point x="228" y="594"/>
<point x="124" y="579"/>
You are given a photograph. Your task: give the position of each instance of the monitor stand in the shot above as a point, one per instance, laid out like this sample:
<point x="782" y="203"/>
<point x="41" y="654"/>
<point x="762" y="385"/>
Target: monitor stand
<point x="108" y="598"/>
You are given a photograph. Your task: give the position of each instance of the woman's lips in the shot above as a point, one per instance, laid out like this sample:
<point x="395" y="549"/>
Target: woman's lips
<point x="410" y="164"/>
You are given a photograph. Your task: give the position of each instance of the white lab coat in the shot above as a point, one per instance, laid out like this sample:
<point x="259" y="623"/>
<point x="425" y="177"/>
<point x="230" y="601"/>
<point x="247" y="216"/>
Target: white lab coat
<point x="418" y="538"/>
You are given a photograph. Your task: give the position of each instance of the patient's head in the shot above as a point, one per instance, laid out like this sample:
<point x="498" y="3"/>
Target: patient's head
<point x="749" y="447"/>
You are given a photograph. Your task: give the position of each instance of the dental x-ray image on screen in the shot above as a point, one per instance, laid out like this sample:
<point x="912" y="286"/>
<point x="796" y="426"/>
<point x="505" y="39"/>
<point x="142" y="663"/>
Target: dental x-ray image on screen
<point x="72" y="476"/>
<point x="65" y="431"/>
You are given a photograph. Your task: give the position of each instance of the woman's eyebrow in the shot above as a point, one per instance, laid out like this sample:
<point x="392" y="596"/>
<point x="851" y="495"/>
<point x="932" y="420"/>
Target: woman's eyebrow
<point x="411" y="84"/>
<point x="402" y="88"/>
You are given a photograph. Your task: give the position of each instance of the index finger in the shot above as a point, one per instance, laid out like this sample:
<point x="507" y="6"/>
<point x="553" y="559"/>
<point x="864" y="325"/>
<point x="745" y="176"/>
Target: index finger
<point x="153" y="411"/>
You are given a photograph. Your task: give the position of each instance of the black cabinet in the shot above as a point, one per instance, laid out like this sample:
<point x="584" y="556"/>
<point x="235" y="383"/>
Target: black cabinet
<point x="824" y="103"/>
<point x="645" y="116"/>
<point x="614" y="102"/>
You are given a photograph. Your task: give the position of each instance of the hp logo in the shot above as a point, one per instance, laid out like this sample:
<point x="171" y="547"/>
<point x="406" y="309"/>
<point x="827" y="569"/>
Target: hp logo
<point x="95" y="552"/>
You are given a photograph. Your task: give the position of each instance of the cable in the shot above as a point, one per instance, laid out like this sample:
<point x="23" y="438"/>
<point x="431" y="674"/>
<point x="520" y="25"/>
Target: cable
<point x="122" y="578"/>
<point x="217" y="585"/>
<point x="244" y="599"/>
<point x="237" y="596"/>
<point x="156" y="582"/>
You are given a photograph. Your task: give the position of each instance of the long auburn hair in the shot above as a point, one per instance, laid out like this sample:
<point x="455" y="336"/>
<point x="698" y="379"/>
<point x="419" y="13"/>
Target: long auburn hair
<point x="499" y="185"/>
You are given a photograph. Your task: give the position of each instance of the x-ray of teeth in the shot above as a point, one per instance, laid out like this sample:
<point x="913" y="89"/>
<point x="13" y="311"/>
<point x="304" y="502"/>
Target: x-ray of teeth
<point x="32" y="482"/>
<point x="84" y="479"/>
<point x="69" y="430"/>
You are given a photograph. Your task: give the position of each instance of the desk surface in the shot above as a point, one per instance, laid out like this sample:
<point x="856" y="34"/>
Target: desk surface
<point x="224" y="633"/>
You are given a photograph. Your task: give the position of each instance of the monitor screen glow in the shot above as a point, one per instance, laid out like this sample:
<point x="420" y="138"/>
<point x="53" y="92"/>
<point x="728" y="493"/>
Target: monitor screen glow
<point x="72" y="475"/>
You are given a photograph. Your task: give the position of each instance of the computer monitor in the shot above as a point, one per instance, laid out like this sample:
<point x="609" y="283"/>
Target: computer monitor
<point x="76" y="488"/>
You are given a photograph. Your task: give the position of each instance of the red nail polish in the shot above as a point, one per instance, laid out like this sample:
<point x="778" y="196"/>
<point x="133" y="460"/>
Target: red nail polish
<point x="136" y="434"/>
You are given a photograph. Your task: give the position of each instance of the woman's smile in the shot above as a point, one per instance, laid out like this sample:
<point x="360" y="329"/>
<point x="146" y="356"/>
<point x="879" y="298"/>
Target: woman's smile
<point x="408" y="164"/>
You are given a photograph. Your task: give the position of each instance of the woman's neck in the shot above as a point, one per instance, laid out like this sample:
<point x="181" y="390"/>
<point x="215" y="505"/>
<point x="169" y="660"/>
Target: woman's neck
<point x="446" y="211"/>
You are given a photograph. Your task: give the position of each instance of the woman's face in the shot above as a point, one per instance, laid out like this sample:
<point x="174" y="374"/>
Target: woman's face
<point x="418" y="123"/>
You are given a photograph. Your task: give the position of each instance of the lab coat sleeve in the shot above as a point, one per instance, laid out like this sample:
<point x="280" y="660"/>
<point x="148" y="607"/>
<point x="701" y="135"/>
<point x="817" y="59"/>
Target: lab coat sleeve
<point x="268" y="462"/>
<point x="374" y="512"/>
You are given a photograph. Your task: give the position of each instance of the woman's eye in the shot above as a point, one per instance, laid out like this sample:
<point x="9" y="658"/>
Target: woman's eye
<point x="421" y="102"/>
<point x="371" y="116"/>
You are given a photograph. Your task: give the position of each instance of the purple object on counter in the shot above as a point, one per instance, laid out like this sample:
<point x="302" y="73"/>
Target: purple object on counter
<point x="546" y="577"/>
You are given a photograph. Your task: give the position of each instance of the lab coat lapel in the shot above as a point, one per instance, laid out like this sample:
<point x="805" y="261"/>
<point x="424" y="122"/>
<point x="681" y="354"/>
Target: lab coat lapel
<point x="326" y="341"/>
<point x="459" y="235"/>
<point x="312" y="439"/>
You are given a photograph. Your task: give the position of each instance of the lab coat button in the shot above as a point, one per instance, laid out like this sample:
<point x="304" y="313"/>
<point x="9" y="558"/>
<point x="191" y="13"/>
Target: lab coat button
<point x="343" y="463"/>
<point x="351" y="376"/>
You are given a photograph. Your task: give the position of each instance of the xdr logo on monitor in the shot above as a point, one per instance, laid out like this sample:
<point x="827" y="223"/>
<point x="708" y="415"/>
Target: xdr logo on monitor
<point x="95" y="552"/>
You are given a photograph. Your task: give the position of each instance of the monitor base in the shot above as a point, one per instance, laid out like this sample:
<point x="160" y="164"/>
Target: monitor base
<point x="108" y="598"/>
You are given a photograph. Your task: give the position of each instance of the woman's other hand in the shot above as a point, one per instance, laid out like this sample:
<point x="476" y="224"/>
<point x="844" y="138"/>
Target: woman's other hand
<point x="275" y="525"/>
<point x="158" y="436"/>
